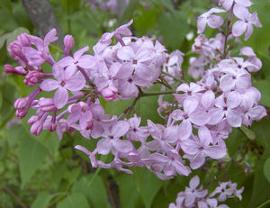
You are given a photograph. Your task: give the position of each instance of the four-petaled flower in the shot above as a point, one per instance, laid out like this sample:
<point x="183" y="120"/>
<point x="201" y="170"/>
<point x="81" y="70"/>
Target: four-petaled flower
<point x="65" y="81"/>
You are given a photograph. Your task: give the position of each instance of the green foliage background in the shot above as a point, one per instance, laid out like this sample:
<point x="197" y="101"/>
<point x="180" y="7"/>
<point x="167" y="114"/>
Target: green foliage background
<point x="41" y="172"/>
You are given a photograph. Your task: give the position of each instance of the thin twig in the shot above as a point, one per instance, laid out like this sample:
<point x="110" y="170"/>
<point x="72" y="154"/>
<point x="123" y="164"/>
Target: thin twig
<point x="169" y="75"/>
<point x="228" y="32"/>
<point x="17" y="199"/>
<point x="161" y="81"/>
<point x="143" y="94"/>
<point x="158" y="93"/>
<point x="263" y="204"/>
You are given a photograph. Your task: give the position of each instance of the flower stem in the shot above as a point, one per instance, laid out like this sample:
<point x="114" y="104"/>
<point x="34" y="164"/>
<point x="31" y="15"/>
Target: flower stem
<point x="87" y="78"/>
<point x="143" y="94"/>
<point x="158" y="93"/>
<point x="228" y="32"/>
<point x="169" y="75"/>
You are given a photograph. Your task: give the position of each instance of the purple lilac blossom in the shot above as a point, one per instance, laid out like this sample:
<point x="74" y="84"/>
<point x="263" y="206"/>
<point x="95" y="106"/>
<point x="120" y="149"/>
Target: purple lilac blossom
<point x="196" y="196"/>
<point x="198" y="118"/>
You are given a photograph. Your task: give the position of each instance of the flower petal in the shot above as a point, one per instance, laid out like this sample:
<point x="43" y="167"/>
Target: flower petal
<point x="234" y="119"/>
<point x="80" y="52"/>
<point x="239" y="28"/>
<point x="190" y="104"/>
<point x="120" y="129"/>
<point x="126" y="53"/>
<point x="123" y="146"/>
<point x="104" y="146"/>
<point x="75" y="83"/>
<point x="60" y="97"/>
<point x="49" y="85"/>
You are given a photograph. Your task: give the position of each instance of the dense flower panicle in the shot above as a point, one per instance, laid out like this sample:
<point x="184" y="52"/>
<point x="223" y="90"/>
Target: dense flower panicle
<point x="198" y="119"/>
<point x="122" y="68"/>
<point x="196" y="196"/>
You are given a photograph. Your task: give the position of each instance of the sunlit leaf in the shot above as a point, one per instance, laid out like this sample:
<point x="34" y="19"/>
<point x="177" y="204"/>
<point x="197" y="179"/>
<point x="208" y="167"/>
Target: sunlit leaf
<point x="31" y="157"/>
<point x="73" y="201"/>
<point x="42" y="201"/>
<point x="93" y="188"/>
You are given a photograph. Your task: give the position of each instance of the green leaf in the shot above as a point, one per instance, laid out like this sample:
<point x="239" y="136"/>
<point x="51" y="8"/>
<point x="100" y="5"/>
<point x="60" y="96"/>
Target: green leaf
<point x="264" y="87"/>
<point x="13" y="35"/>
<point x="6" y="109"/>
<point x="9" y="37"/>
<point x="50" y="141"/>
<point x="173" y="28"/>
<point x="266" y="169"/>
<point x="148" y="186"/>
<point x="260" y="41"/>
<point x="116" y="107"/>
<point x="42" y="201"/>
<point x="151" y="15"/>
<point x="2" y="40"/>
<point x="260" y="183"/>
<point x="31" y="157"/>
<point x="248" y="132"/>
<point x="261" y="191"/>
<point x="234" y="142"/>
<point x="75" y="200"/>
<point x="1" y="96"/>
<point x="93" y="188"/>
<point x="129" y="195"/>
<point x="262" y="132"/>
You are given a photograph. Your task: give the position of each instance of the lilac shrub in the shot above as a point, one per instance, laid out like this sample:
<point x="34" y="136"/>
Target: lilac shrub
<point x="197" y="120"/>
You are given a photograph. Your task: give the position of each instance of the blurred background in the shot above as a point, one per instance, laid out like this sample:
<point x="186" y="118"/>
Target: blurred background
<point x="43" y="172"/>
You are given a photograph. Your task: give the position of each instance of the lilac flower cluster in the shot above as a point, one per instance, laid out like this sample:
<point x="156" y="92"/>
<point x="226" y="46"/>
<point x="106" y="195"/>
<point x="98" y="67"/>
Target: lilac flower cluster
<point x="196" y="196"/>
<point x="198" y="119"/>
<point x="239" y="21"/>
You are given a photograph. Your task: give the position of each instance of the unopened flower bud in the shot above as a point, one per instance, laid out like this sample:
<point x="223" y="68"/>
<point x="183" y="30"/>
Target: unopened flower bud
<point x="33" y="78"/>
<point x="24" y="39"/>
<point x="37" y="128"/>
<point x="46" y="105"/>
<point x="68" y="44"/>
<point x="15" y="50"/>
<point x="21" y="103"/>
<point x="33" y="119"/>
<point x="19" y="70"/>
<point x="109" y="93"/>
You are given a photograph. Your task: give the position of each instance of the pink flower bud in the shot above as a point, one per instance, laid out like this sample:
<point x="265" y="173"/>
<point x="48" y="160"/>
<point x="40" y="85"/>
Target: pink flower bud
<point x="20" y="113"/>
<point x="24" y="39"/>
<point x="15" y="50"/>
<point x="19" y="70"/>
<point x="68" y="44"/>
<point x="52" y="127"/>
<point x="21" y="103"/>
<point x="46" y="105"/>
<point x="109" y="93"/>
<point x="33" y="78"/>
<point x="37" y="128"/>
<point x="33" y="119"/>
